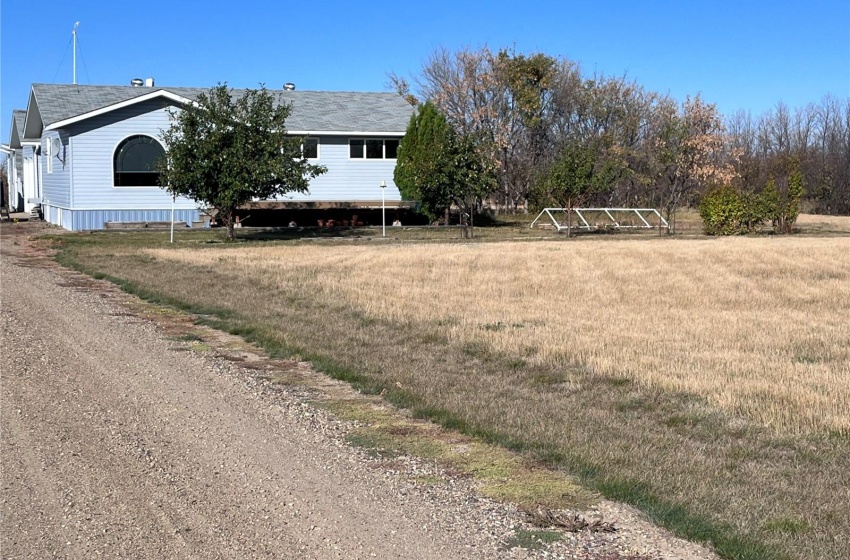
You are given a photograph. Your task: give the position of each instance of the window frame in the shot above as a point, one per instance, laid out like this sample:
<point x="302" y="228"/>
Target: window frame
<point x="397" y="145"/>
<point x="365" y="140"/>
<point x="115" y="152"/>
<point x="49" y="150"/>
<point x="318" y="147"/>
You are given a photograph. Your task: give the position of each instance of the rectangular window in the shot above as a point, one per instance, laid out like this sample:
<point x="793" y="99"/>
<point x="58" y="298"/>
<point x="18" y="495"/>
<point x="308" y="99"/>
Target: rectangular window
<point x="311" y="148"/>
<point x="49" y="153"/>
<point x="390" y="149"/>
<point x="373" y="148"/>
<point x="355" y="148"/>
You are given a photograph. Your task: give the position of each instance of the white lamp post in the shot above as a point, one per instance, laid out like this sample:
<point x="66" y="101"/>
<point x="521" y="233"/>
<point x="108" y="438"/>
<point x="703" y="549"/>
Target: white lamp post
<point x="383" y="208"/>
<point x="173" y="201"/>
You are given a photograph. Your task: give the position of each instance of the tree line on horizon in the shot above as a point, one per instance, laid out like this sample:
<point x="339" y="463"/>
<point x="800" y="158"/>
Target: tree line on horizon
<point x="545" y="134"/>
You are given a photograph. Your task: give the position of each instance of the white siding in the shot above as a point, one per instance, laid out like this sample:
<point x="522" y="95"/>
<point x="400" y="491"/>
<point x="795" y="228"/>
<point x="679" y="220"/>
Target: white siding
<point x="57" y="185"/>
<point x="348" y="179"/>
<point x="94" y="142"/>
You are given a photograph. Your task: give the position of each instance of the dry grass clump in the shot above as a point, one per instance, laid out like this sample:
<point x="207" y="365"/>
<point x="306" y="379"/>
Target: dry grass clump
<point x="759" y="327"/>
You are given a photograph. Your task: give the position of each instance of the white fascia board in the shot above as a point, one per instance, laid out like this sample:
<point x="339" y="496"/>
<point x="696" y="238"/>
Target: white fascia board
<point x="7" y="149"/>
<point x="342" y="133"/>
<point x="33" y="143"/>
<point x="128" y="103"/>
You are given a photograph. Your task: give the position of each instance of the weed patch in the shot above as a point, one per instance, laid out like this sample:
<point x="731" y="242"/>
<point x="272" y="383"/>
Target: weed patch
<point x="534" y="539"/>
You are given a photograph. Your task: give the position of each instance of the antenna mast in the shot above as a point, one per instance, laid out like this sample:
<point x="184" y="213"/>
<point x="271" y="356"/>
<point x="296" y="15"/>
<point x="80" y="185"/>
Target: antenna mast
<point x="74" y="33"/>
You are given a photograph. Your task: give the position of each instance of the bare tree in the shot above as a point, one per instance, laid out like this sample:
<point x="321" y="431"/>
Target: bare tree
<point x="521" y="111"/>
<point x="815" y="136"/>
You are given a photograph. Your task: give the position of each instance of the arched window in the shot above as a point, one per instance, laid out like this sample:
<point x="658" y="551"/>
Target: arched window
<point x="136" y="160"/>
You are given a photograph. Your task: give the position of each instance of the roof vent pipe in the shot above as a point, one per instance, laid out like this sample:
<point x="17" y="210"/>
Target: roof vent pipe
<point x="137" y="82"/>
<point x="148" y="82"/>
<point x="289" y="86"/>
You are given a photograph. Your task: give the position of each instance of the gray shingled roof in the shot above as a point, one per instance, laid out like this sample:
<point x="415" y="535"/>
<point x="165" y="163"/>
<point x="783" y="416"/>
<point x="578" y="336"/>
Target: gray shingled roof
<point x="347" y="111"/>
<point x="311" y="110"/>
<point x="19" y="116"/>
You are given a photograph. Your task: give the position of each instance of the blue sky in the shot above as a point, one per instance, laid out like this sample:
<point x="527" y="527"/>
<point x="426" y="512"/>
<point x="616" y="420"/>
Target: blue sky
<point x="743" y="54"/>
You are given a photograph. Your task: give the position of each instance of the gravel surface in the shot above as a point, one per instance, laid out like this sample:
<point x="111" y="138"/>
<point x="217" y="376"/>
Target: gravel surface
<point x="118" y="443"/>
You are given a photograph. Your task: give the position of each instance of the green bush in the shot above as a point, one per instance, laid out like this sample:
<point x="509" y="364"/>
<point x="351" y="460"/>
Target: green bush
<point x="723" y="211"/>
<point x="782" y="205"/>
<point x="727" y="211"/>
<point x="757" y="209"/>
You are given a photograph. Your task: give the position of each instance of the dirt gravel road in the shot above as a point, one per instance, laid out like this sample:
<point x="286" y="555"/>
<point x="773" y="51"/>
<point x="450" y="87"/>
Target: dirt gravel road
<point x="116" y="444"/>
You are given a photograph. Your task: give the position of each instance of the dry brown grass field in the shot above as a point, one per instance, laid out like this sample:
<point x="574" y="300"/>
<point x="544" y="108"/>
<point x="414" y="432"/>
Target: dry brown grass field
<point x="813" y="223"/>
<point x="705" y="380"/>
<point x="759" y="327"/>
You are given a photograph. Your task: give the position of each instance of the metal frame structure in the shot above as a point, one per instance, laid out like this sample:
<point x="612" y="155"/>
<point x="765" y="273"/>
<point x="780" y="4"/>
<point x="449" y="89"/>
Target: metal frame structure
<point x="641" y="213"/>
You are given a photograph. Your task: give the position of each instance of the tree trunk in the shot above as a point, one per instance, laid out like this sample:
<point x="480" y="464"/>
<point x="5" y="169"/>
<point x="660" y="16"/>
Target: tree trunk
<point x="226" y="217"/>
<point x="671" y="214"/>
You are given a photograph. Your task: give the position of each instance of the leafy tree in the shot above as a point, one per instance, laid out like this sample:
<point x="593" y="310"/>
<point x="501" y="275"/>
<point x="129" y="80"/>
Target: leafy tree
<point x="793" y="196"/>
<point x="783" y="204"/>
<point x="422" y="167"/>
<point x="691" y="154"/>
<point x="474" y="175"/>
<point x="524" y="103"/>
<point x="228" y="148"/>
<point x="503" y="101"/>
<point x="438" y="167"/>
<point x="579" y="171"/>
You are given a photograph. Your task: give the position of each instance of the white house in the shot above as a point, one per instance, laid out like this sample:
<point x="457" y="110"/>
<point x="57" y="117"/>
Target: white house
<point x="87" y="152"/>
<point x="22" y="178"/>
